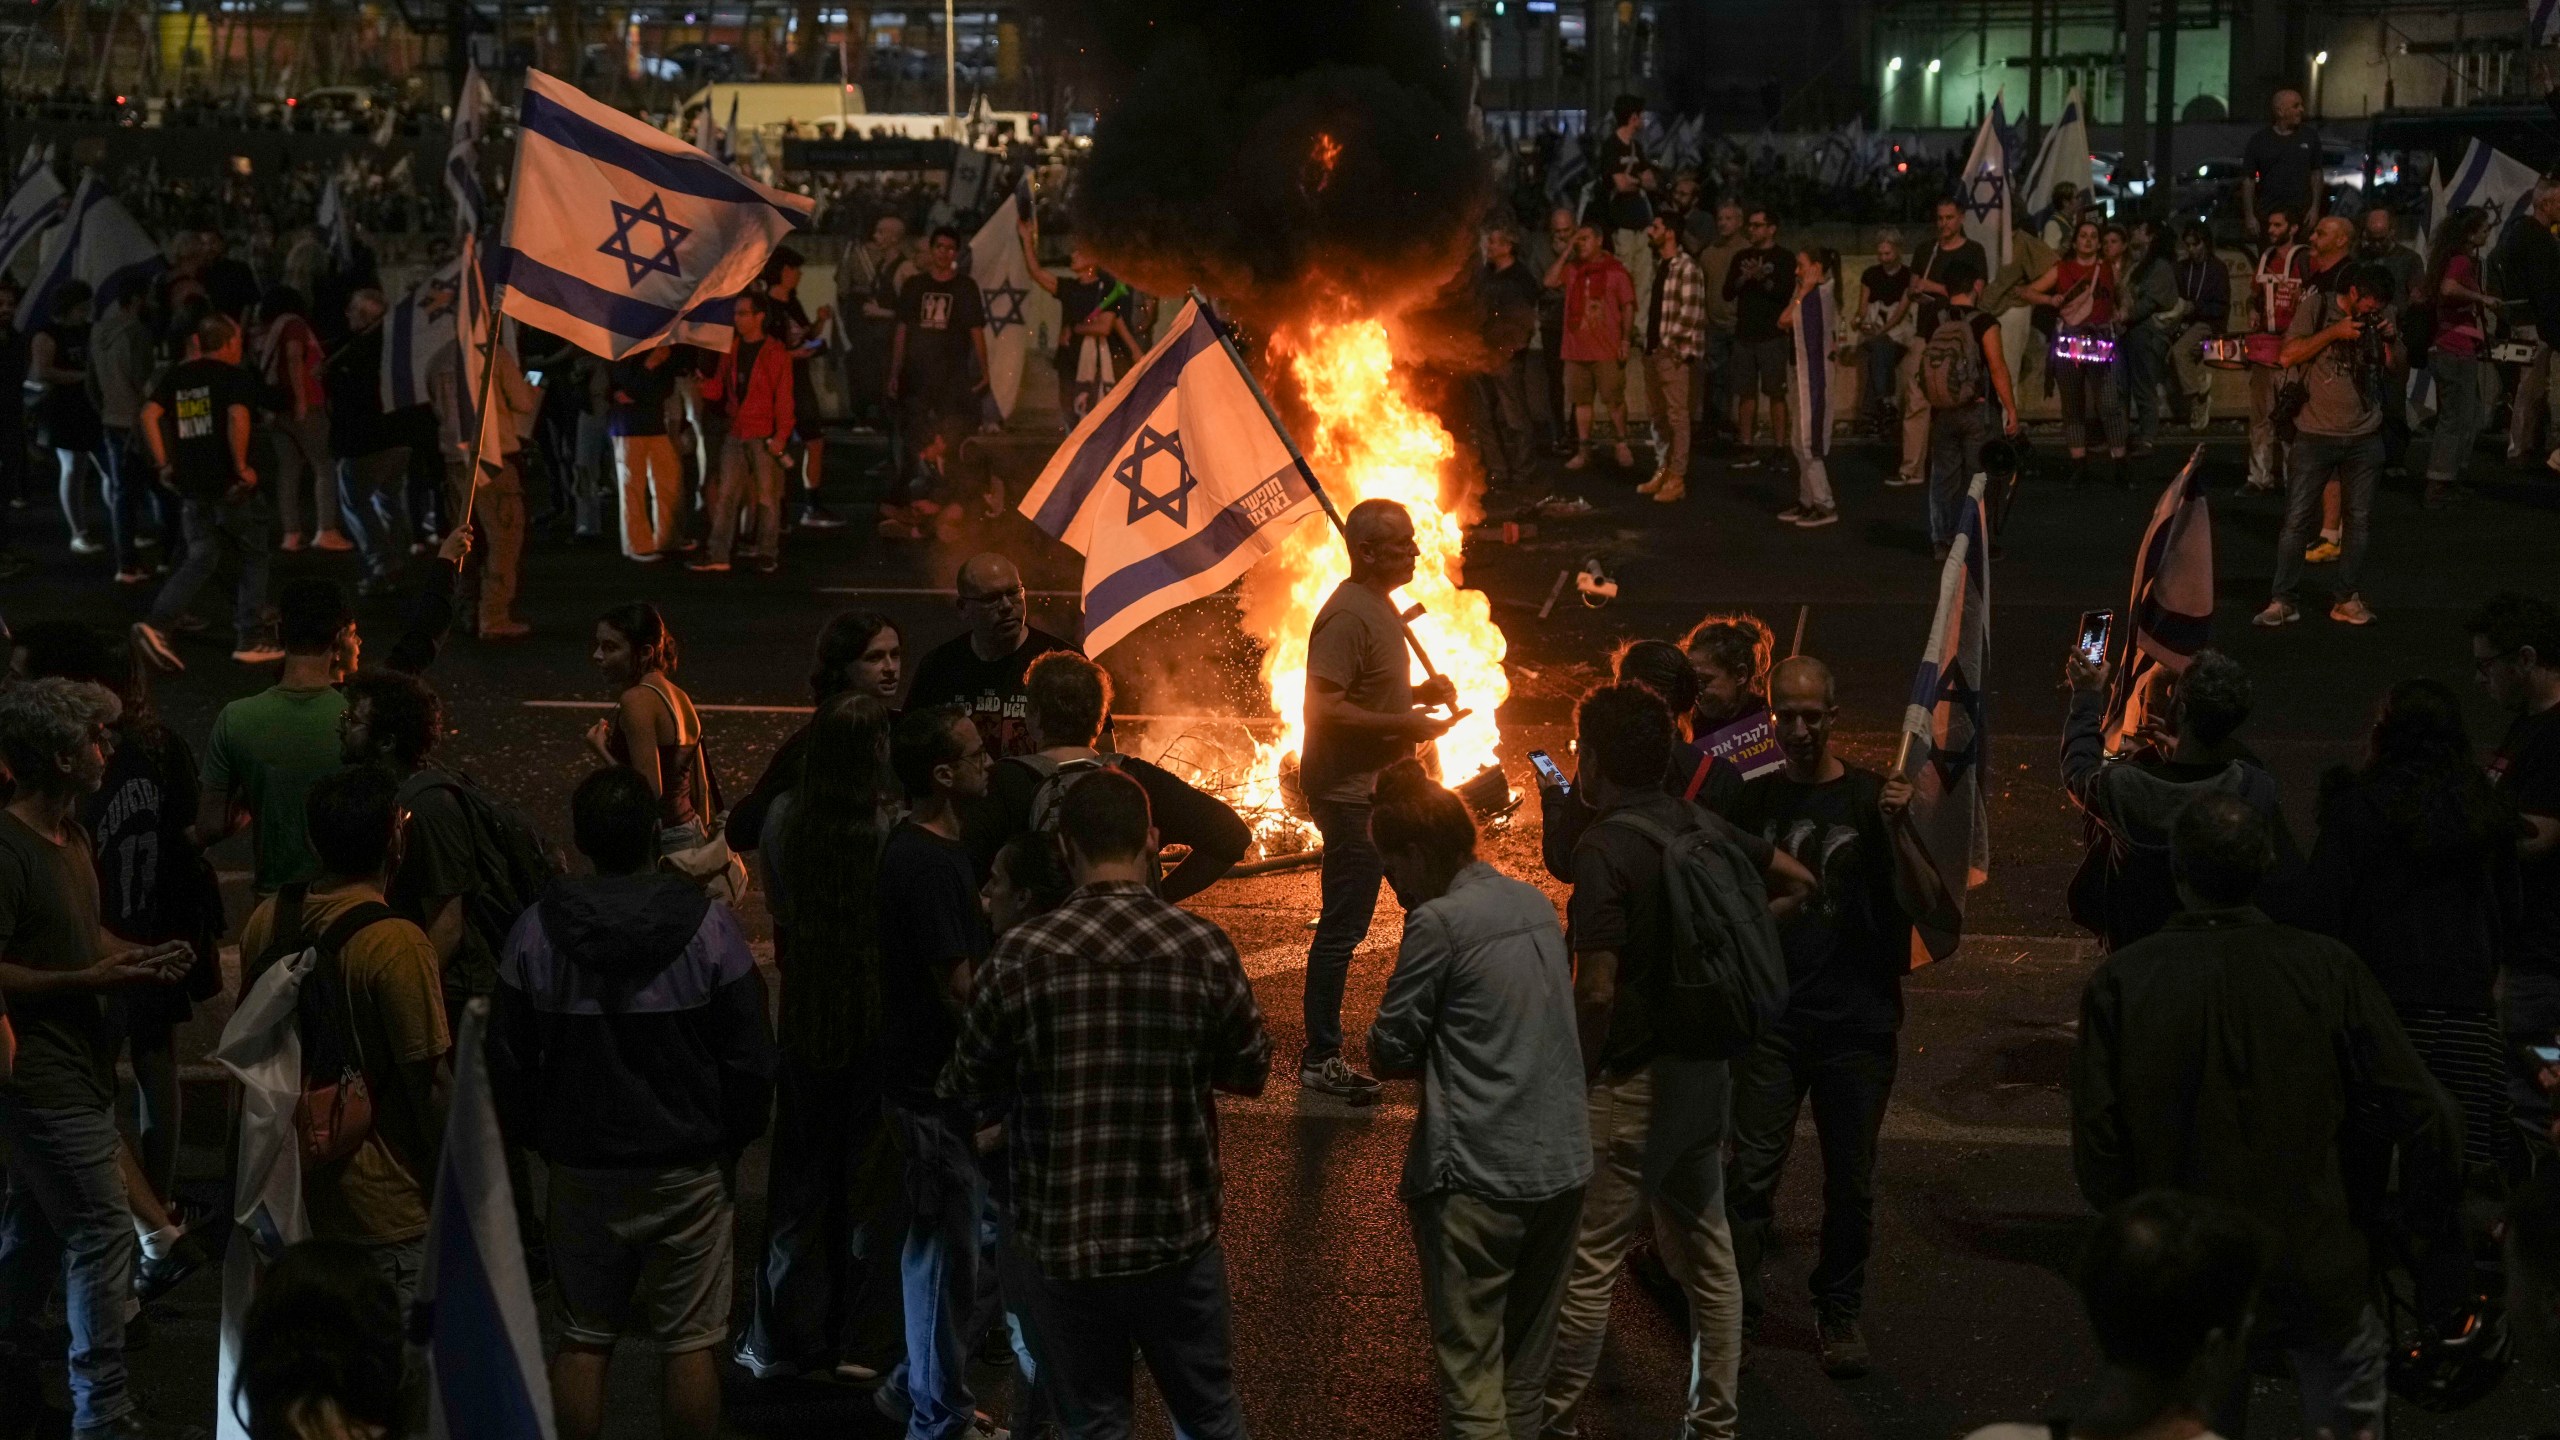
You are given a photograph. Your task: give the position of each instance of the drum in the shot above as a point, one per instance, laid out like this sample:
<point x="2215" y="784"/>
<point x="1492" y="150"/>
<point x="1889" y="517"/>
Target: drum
<point x="2226" y="352"/>
<point x="2265" y="349"/>
<point x="2084" y="347"/>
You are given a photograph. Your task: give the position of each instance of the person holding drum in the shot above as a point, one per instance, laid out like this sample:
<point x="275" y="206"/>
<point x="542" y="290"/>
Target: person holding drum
<point x="2466" y="387"/>
<point x="2082" y="291"/>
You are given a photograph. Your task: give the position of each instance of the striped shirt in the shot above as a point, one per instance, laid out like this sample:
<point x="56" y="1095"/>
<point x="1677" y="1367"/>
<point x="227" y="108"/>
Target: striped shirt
<point x="1096" y="1033"/>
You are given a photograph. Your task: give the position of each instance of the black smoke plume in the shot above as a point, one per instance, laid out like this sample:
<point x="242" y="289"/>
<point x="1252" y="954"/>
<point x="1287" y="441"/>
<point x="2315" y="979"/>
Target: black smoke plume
<point x="1305" y="159"/>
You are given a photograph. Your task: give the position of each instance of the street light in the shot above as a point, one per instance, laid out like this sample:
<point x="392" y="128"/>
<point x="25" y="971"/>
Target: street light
<point x="1934" y="65"/>
<point x="2318" y="61"/>
<point x="1893" y="65"/>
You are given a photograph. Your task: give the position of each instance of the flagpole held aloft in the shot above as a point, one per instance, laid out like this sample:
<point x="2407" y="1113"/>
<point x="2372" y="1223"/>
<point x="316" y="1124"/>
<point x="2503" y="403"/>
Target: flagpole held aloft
<point x="1306" y="472"/>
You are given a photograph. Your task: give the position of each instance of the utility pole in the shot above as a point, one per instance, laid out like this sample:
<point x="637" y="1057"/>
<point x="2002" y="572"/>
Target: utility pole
<point x="2137" y="87"/>
<point x="2164" y="150"/>
<point x="2035" y="62"/>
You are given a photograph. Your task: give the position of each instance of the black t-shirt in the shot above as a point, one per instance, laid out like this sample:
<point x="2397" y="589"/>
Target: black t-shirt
<point x="1077" y="300"/>
<point x="2286" y="167"/>
<point x="351" y="380"/>
<point x="1618" y="905"/>
<point x="990" y="690"/>
<point x="1879" y="286"/>
<point x="1621" y="210"/>
<point x="1955" y="269"/>
<point x="2526" y="770"/>
<point x="939" y="314"/>
<point x="1848" y="947"/>
<point x="135" y="819"/>
<point x="440" y="860"/>
<point x="929" y="919"/>
<point x="197" y="398"/>
<point x="645" y="413"/>
<point x="1761" y="282"/>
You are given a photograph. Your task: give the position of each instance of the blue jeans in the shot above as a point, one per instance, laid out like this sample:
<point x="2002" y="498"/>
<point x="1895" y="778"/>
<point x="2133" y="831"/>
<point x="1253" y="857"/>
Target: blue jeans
<point x="2464" y="387"/>
<point x="2143" y="362"/>
<point x="244" y="530"/>
<point x="2344" y="1380"/>
<point x="373" y="491"/>
<point x="2530" y="1012"/>
<point x="1720" y="376"/>
<point x="133" y="498"/>
<point x="1881" y="359"/>
<point x="2355" y="462"/>
<point x="938" y="1268"/>
<point x="1352" y="874"/>
<point x="65" y="1219"/>
<point x="1956" y="438"/>
<point x="1082" y="1334"/>
<point x="1849" y="1077"/>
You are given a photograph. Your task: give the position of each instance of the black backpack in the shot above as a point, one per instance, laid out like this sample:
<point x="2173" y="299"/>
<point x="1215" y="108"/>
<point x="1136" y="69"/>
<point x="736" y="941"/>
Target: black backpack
<point x="515" y="863"/>
<point x="1727" y="977"/>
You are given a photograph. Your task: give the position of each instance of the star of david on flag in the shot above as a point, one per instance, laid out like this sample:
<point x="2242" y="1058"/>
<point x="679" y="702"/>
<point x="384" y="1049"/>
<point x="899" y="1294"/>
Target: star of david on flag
<point x="1003" y="274"/>
<point x="1946" y="737"/>
<point x="1004" y="307"/>
<point x="1983" y="190"/>
<point x="622" y="238"/>
<point x="1172" y="486"/>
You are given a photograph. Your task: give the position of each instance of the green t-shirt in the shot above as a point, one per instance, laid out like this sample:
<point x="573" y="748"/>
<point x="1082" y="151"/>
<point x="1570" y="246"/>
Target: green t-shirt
<point x="49" y="921"/>
<point x="267" y="751"/>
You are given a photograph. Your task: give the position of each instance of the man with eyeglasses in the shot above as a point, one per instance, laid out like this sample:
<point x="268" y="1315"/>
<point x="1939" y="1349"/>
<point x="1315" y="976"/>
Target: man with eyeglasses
<point x="982" y="670"/>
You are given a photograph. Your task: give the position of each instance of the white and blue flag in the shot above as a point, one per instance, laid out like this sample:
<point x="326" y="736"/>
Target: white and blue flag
<point x="1003" y="274"/>
<point x="2542" y="22"/>
<point x="38" y="156"/>
<point x="620" y="237"/>
<point x="483" y="418"/>
<point x="34" y="207"/>
<point x="337" y="225"/>
<point x="1816" y="334"/>
<point x="100" y="243"/>
<point x="462" y="160"/>
<point x="1946" y="735"/>
<point x="1172" y="487"/>
<point x="1983" y="190"/>
<point x="261" y="1046"/>
<point x="2063" y="158"/>
<point x="2171" y="609"/>
<point x="484" y="1348"/>
<point x="2487" y="178"/>
<point x="415" y="331"/>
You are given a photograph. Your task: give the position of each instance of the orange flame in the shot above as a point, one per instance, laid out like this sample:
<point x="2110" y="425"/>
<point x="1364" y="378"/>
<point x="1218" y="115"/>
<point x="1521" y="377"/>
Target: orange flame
<point x="1370" y="442"/>
<point x="1326" y="151"/>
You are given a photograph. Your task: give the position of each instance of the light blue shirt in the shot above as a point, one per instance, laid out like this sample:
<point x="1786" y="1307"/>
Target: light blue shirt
<point x="1482" y="1003"/>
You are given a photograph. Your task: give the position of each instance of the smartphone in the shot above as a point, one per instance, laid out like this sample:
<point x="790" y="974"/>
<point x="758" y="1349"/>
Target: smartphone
<point x="2545" y="1054"/>
<point x="2096" y="628"/>
<point x="1548" y="774"/>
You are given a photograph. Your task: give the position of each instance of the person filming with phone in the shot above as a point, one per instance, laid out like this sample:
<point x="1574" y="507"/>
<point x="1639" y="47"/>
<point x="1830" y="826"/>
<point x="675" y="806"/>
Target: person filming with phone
<point x="1364" y="713"/>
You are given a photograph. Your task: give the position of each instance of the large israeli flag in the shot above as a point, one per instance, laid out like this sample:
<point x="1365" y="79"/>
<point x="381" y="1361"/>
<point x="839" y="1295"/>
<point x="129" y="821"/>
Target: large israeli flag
<point x="2542" y="22"/>
<point x="1816" y="333"/>
<point x="1946" y="735"/>
<point x="98" y="242"/>
<point x="1983" y="190"/>
<point x="261" y="1046"/>
<point x="2170" y="614"/>
<point x="485" y="417"/>
<point x="996" y="262"/>
<point x="620" y="237"/>
<point x="462" y="158"/>
<point x="2063" y="157"/>
<point x="1174" y="485"/>
<point x="484" y="1349"/>
<point x="2488" y="178"/>
<point x="414" y="333"/>
<point x="33" y="208"/>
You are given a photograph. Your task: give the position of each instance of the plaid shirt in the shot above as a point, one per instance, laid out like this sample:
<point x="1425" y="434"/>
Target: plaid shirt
<point x="1682" y="328"/>
<point x="1097" y="1032"/>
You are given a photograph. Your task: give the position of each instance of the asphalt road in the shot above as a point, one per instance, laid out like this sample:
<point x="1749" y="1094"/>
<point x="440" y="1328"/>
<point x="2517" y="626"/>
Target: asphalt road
<point x="1970" y="1315"/>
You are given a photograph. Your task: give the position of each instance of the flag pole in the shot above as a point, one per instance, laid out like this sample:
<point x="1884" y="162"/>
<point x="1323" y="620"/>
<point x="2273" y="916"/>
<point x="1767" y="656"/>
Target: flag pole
<point x="480" y="411"/>
<point x="1306" y="472"/>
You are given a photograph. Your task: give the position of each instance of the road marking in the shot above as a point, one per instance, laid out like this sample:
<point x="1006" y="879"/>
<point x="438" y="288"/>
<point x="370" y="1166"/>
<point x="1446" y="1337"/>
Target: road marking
<point x="919" y="591"/>
<point x="1912" y="1126"/>
<point x="1259" y="722"/>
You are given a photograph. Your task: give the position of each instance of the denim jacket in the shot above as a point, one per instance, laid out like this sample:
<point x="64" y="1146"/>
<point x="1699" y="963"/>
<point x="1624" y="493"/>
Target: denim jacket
<point x="1482" y="1003"/>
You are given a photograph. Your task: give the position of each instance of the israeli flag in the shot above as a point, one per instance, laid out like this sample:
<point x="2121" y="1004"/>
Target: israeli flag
<point x="2488" y="178"/>
<point x="2063" y="157"/>
<point x="1816" y="332"/>
<point x="414" y="333"/>
<point x="462" y="160"/>
<point x="620" y="237"/>
<point x="484" y="1350"/>
<point x="1946" y="735"/>
<point x="335" y="224"/>
<point x="33" y="208"/>
<point x="38" y="156"/>
<point x="996" y="262"/>
<point x="2171" y="608"/>
<point x="2542" y="22"/>
<point x="261" y="1046"/>
<point x="100" y="243"/>
<point x="1173" y="486"/>
<point x="1983" y="190"/>
<point x="488" y="427"/>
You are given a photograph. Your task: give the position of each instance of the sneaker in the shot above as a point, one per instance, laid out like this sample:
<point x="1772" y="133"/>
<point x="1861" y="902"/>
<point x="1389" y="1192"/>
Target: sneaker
<point x="648" y="557"/>
<point x="1844" y="1348"/>
<point x="293" y="543"/>
<point x="189" y="624"/>
<point x="763" y="564"/>
<point x="1334" y="1076"/>
<point x="814" y="516"/>
<point x="854" y="1372"/>
<point x="1581" y="461"/>
<point x="2278" y="612"/>
<point x="133" y="577"/>
<point x="1901" y="481"/>
<point x="1793" y="514"/>
<point x="87" y="545"/>
<point x="757" y="1365"/>
<point x="155" y="1278"/>
<point x="2320" y="552"/>
<point x="2351" y="611"/>
<point x="331" y="540"/>
<point x="155" y="647"/>
<point x="707" y="567"/>
<point x="257" y="650"/>
<point x="1821" y="515"/>
<point x="1750" y="460"/>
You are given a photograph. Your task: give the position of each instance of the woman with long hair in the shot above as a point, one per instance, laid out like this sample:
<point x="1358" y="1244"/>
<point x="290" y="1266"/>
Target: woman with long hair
<point x="821" y="843"/>
<point x="2466" y="386"/>
<point x="654" y="728"/>
<point x="2082" y="288"/>
<point x="859" y="652"/>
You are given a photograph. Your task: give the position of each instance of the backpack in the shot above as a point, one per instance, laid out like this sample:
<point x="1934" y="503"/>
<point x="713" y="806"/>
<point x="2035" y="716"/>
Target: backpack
<point x="334" y="1117"/>
<point x="516" y="864"/>
<point x="1951" y="371"/>
<point x="1727" y="977"/>
<point x="1057" y="777"/>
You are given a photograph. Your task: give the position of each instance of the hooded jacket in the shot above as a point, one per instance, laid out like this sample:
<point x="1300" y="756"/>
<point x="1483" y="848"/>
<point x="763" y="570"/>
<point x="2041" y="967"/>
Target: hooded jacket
<point x="629" y="1027"/>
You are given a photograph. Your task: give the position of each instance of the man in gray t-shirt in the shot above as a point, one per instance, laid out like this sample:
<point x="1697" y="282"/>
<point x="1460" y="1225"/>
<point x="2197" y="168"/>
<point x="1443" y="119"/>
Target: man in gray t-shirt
<point x="2341" y="349"/>
<point x="1363" y="712"/>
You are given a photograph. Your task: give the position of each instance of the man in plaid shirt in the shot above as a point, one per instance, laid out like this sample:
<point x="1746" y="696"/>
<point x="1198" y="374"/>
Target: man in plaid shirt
<point x="1095" y="1033"/>
<point x="1675" y="334"/>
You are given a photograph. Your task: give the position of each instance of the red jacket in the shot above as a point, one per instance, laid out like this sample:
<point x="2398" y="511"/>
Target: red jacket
<point x="759" y="407"/>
